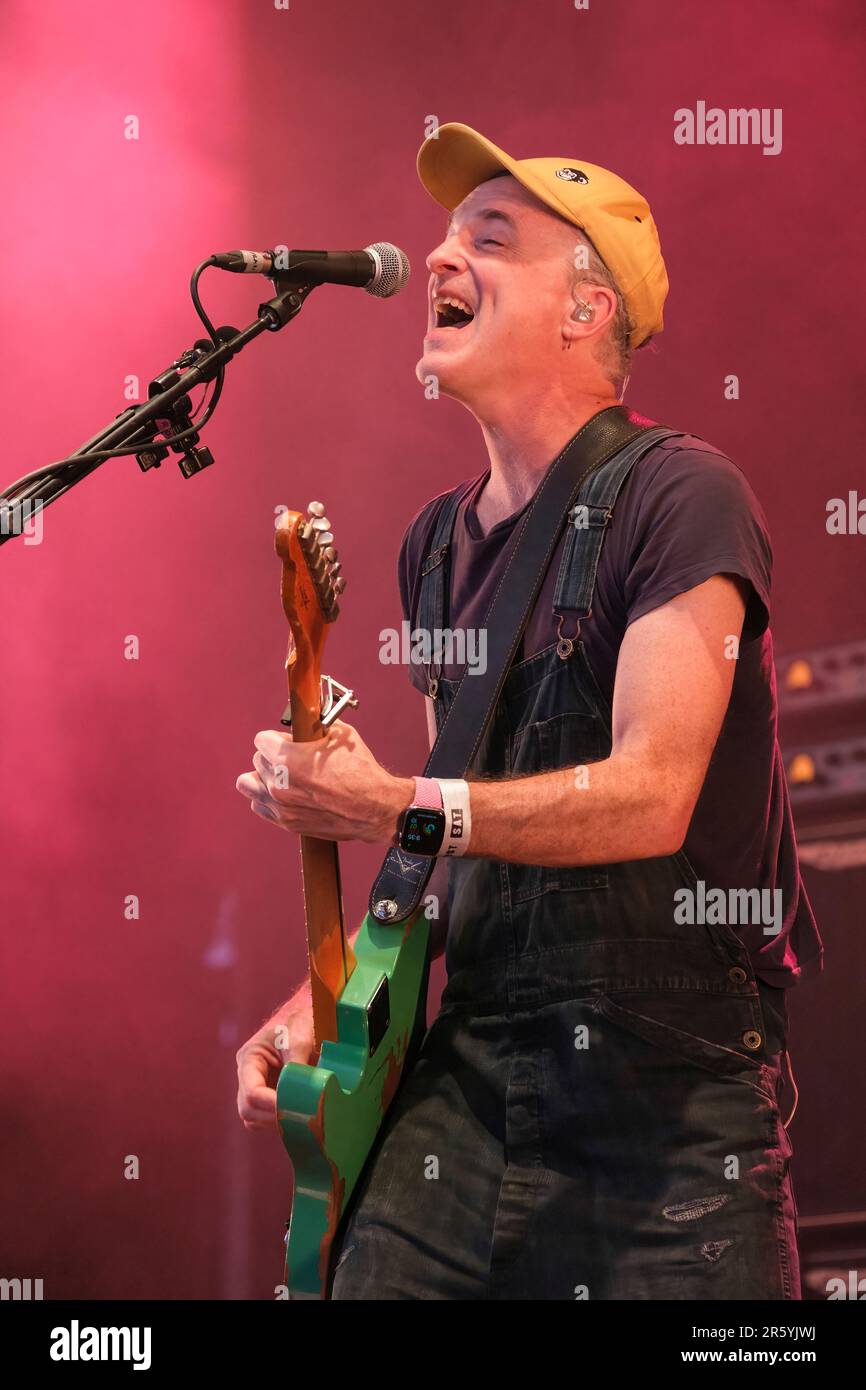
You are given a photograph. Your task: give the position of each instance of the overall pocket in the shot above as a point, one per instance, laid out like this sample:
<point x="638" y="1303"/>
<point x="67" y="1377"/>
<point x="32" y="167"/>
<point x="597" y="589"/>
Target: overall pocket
<point x="720" y="1033"/>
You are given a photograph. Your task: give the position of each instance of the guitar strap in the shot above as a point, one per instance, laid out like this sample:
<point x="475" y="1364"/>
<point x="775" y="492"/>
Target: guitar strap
<point x="401" y="881"/>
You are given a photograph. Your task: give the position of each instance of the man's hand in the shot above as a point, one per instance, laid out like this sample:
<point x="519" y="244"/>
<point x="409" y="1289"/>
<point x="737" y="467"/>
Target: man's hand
<point x="333" y="788"/>
<point x="287" y="1037"/>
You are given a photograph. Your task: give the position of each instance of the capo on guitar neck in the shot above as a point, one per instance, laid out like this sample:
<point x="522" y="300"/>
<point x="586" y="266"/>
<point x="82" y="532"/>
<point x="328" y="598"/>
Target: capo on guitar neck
<point x="330" y="707"/>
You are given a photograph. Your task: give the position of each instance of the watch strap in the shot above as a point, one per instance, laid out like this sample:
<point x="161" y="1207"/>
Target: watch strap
<point x="428" y="793"/>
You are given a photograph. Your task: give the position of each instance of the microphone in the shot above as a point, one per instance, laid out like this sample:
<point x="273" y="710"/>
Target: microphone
<point x="380" y="269"/>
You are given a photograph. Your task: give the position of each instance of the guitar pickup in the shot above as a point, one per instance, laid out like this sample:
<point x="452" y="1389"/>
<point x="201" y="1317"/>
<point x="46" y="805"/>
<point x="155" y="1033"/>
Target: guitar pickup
<point x="334" y="697"/>
<point x="379" y="1014"/>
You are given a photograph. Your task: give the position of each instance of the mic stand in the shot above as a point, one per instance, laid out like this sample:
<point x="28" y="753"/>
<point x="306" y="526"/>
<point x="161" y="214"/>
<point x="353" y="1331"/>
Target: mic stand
<point x="166" y="412"/>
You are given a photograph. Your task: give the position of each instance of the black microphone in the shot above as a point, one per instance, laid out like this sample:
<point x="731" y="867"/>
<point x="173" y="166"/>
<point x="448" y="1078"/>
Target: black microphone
<point x="380" y="269"/>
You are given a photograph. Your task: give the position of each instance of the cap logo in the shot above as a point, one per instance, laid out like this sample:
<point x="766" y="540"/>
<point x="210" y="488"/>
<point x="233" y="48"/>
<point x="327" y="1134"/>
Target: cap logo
<point x="573" y="175"/>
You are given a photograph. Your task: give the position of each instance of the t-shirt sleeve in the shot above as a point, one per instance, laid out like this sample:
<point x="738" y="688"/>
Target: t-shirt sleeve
<point x="693" y="517"/>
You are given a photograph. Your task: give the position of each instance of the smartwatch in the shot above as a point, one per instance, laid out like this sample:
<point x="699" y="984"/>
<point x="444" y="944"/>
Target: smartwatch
<point x="422" y="825"/>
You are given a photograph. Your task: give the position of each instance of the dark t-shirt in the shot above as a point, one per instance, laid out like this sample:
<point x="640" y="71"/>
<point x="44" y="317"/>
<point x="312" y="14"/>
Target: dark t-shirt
<point x="685" y="513"/>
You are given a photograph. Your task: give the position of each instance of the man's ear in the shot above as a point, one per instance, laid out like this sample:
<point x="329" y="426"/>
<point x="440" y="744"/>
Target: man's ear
<point x="591" y="309"/>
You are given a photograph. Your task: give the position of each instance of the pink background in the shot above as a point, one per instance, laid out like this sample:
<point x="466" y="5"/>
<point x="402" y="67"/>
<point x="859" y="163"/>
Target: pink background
<point x="257" y="127"/>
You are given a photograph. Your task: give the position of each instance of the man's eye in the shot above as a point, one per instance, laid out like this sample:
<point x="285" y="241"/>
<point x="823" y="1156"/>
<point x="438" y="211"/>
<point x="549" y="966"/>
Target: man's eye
<point x="488" y="241"/>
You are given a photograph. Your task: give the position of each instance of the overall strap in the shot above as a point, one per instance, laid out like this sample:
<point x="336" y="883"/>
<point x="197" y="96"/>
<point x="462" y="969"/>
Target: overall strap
<point x="436" y="572"/>
<point x="589" y="519"/>
<point x="397" y="890"/>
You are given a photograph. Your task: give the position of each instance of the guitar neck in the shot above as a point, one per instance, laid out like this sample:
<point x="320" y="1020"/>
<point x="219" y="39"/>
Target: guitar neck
<point x="331" y="957"/>
<point x="309" y="593"/>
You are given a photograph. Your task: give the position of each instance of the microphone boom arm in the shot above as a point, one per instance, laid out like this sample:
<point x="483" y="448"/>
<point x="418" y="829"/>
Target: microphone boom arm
<point x="139" y="425"/>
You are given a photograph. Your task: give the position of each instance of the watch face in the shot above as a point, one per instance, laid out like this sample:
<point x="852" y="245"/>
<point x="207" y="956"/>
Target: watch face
<point x="423" y="830"/>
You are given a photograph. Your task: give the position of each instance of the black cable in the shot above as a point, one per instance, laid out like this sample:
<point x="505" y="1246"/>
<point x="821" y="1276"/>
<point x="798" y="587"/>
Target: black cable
<point x="50" y="469"/>
<point x="130" y="450"/>
<point x="93" y="456"/>
<point x="197" y="304"/>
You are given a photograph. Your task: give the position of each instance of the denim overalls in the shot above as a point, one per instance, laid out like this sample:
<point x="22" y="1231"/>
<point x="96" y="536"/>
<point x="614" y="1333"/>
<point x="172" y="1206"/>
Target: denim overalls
<point x="594" y="1113"/>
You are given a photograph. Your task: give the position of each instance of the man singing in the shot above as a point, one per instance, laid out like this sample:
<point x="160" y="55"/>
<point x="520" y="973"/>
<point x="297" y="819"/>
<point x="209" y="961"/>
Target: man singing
<point x="594" y="1113"/>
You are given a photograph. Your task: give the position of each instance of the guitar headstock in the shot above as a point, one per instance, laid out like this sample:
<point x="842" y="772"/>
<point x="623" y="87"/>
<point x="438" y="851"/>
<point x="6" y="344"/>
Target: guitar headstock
<point x="312" y="583"/>
<point x="305" y="544"/>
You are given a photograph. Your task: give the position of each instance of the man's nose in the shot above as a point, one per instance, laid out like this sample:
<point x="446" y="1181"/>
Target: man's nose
<point x="446" y="257"/>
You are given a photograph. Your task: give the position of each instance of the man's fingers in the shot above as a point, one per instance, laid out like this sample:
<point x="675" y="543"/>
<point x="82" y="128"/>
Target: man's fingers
<point x="269" y="742"/>
<point x="275" y="779"/>
<point x="257" y="1106"/>
<point x="256" y="1070"/>
<point x="250" y="784"/>
<point x="268" y="773"/>
<point x="259" y="1101"/>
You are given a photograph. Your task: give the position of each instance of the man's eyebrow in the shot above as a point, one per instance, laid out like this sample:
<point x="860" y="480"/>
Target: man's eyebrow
<point x="487" y="215"/>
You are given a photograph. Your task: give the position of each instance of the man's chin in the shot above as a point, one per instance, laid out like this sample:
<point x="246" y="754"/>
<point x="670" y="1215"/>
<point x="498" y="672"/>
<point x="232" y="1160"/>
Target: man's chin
<point x="439" y="364"/>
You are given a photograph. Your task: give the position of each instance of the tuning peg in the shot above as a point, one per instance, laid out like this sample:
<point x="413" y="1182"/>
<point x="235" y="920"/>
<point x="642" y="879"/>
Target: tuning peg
<point x="329" y="552"/>
<point x="320" y="524"/>
<point x="339" y="584"/>
<point x="316" y="509"/>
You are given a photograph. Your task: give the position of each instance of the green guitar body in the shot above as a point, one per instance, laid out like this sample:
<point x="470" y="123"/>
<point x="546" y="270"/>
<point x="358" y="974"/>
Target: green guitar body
<point x="329" y="1114"/>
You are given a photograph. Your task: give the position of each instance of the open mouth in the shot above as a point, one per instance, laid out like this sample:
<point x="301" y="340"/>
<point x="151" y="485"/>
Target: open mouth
<point x="452" y="312"/>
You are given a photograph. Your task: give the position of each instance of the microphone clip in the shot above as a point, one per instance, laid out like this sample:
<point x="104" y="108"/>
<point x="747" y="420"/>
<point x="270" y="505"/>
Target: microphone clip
<point x="289" y="301"/>
<point x="177" y="419"/>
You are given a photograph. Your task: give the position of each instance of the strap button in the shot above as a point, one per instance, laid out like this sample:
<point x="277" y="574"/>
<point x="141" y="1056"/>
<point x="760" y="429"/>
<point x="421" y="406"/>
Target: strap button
<point x="385" y="909"/>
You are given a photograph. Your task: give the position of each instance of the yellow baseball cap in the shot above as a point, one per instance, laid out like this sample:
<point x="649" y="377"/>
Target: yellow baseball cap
<point x="613" y="214"/>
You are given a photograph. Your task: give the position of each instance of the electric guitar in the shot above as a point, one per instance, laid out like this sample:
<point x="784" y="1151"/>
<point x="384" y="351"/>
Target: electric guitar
<point x="364" y="999"/>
